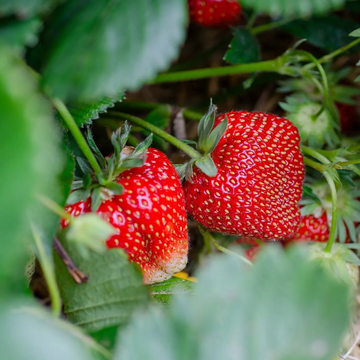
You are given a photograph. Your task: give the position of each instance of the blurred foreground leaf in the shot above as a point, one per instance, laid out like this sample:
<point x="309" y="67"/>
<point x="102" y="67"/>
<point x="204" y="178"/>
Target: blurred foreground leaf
<point x="29" y="333"/>
<point x="30" y="159"/>
<point x="281" y="308"/>
<point x="165" y="291"/>
<point x="99" y="48"/>
<point x="110" y="297"/>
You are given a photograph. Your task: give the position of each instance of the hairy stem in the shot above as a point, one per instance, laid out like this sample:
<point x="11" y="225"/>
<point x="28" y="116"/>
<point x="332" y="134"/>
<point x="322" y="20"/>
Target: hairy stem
<point x="49" y="274"/>
<point x="269" y="26"/>
<point x="76" y="133"/>
<point x="274" y="65"/>
<point x="163" y="134"/>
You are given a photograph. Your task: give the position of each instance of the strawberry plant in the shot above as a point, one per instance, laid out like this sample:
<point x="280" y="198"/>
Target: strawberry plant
<point x="140" y="222"/>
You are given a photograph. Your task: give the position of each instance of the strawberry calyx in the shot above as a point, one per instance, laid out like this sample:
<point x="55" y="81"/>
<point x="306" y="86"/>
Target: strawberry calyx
<point x="104" y="186"/>
<point x="209" y="138"/>
<point x="341" y="262"/>
<point x="316" y="126"/>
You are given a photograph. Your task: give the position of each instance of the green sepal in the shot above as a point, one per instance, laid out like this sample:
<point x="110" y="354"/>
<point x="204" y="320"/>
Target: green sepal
<point x="207" y="166"/>
<point x="99" y="156"/>
<point x="84" y="165"/>
<point x="96" y="199"/>
<point x="205" y="126"/>
<point x="142" y="147"/>
<point x="181" y="170"/>
<point x="190" y="142"/>
<point x="115" y="187"/>
<point x="129" y="163"/>
<point x="307" y="192"/>
<point x="119" y="139"/>
<point x="75" y="196"/>
<point x="215" y="136"/>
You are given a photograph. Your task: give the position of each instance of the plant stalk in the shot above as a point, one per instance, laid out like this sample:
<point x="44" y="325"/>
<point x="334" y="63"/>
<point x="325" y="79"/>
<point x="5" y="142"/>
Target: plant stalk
<point x="274" y="65"/>
<point x="78" y="136"/>
<point x="163" y="134"/>
<point x="49" y="274"/>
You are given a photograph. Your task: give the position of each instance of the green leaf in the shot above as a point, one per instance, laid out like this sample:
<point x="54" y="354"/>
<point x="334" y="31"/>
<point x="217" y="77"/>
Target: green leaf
<point x="84" y="113"/>
<point x="30" y="160"/>
<point x="19" y="34"/>
<point x="328" y="33"/>
<point x="282" y="308"/>
<point x="165" y="291"/>
<point x="117" y="45"/>
<point x="206" y="165"/>
<point x="113" y="293"/>
<point x="355" y="33"/>
<point x="288" y="8"/>
<point x="25" y="7"/>
<point x="28" y="332"/>
<point x="244" y="48"/>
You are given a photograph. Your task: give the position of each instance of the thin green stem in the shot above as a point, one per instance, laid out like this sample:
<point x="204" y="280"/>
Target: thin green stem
<point x="342" y="164"/>
<point x="229" y="252"/>
<point x="48" y="272"/>
<point x="315" y="165"/>
<point x="274" y="65"/>
<point x="163" y="134"/>
<point x="315" y="154"/>
<point x="334" y="211"/>
<point x="330" y="56"/>
<point x="75" y="131"/>
<point x="252" y="20"/>
<point x="269" y="26"/>
<point x="54" y="207"/>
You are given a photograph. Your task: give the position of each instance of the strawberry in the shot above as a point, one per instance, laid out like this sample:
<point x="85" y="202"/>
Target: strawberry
<point x="215" y="13"/>
<point x="258" y="183"/>
<point x="347" y="113"/>
<point x="313" y="228"/>
<point x="149" y="217"/>
<point x="316" y="215"/>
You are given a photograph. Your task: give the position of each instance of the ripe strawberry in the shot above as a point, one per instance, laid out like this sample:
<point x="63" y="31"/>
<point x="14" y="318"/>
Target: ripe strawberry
<point x="149" y="217"/>
<point x="259" y="178"/>
<point x="347" y="115"/>
<point x="313" y="228"/>
<point x="215" y="13"/>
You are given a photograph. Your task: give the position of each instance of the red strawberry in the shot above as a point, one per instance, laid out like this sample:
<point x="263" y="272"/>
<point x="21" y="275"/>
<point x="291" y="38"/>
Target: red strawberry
<point x="149" y="217"/>
<point x="258" y="184"/>
<point x="77" y="209"/>
<point x="313" y="228"/>
<point x="215" y="13"/>
<point x="347" y="115"/>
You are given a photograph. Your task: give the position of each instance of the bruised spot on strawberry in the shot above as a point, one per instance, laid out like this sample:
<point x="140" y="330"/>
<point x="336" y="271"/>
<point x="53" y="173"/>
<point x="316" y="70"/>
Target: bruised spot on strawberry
<point x="153" y="238"/>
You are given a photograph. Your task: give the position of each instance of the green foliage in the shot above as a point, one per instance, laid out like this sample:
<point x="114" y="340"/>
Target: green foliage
<point x="287" y="8"/>
<point x="84" y="113"/>
<point x="25" y="7"/>
<point x="328" y="33"/>
<point x="297" y="312"/>
<point x="117" y="45"/>
<point x="165" y="291"/>
<point x="42" y="337"/>
<point x="30" y="159"/>
<point x="19" y="34"/>
<point x="244" y="48"/>
<point x="112" y="294"/>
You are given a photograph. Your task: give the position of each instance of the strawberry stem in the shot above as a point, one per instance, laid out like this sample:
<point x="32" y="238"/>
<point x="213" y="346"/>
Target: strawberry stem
<point x="269" y="26"/>
<point x="48" y="272"/>
<point x="188" y="150"/>
<point x="334" y="211"/>
<point x="75" y="131"/>
<point x="275" y="65"/>
<point x="209" y="238"/>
